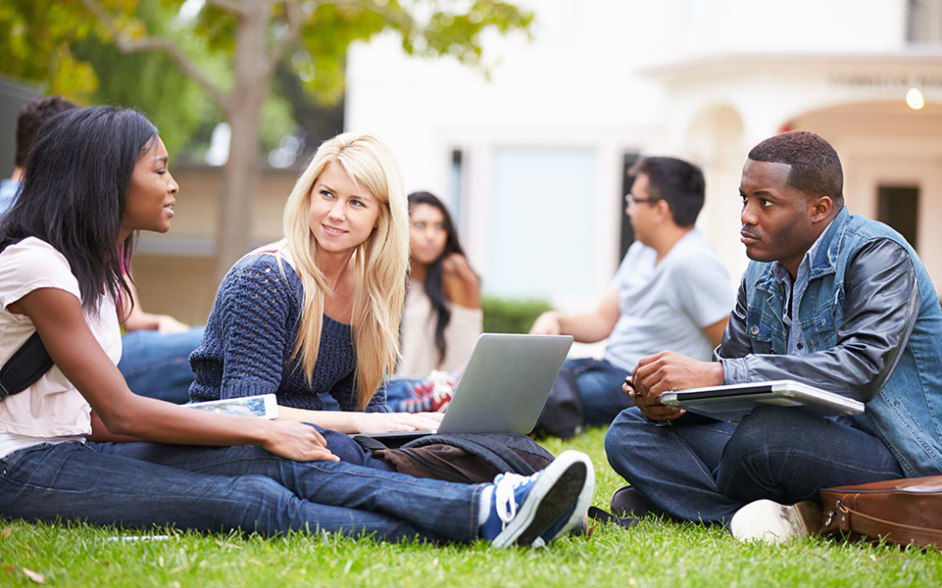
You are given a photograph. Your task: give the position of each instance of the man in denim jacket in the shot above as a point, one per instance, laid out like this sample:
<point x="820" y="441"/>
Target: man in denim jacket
<point x="831" y="299"/>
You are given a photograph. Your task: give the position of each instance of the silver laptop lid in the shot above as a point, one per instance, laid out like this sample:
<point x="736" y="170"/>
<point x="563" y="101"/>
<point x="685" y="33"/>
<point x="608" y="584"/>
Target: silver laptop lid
<point x="506" y="383"/>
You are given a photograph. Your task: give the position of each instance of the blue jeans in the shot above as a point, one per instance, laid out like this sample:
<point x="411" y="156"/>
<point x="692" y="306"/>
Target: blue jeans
<point x="698" y="469"/>
<point x="158" y="365"/>
<point x="599" y="382"/>
<point x="225" y="488"/>
<point x="348" y="450"/>
<point x="399" y="389"/>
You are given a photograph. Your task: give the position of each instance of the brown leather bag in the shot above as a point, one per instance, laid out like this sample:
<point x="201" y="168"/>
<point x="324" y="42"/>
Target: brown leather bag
<point x="904" y="511"/>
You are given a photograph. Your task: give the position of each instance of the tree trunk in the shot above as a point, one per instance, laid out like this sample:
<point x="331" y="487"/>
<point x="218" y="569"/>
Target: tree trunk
<point x="253" y="73"/>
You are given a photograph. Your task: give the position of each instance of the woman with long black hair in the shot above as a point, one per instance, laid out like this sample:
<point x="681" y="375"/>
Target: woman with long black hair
<point x="94" y="178"/>
<point x="443" y="315"/>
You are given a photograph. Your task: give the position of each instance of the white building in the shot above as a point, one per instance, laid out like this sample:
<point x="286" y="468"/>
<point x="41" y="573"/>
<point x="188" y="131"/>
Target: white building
<point x="533" y="160"/>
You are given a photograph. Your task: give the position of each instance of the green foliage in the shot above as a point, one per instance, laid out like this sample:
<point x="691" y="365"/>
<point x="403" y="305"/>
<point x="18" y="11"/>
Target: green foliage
<point x="277" y="122"/>
<point x="152" y="83"/>
<point x="654" y="553"/>
<point x="505" y="315"/>
<point x="459" y="34"/>
<point x="71" y="50"/>
<point x="34" y="43"/>
<point x="325" y="36"/>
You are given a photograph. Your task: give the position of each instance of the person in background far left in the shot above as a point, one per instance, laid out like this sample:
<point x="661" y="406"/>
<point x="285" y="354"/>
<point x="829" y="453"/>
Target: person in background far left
<point x="156" y="347"/>
<point x="32" y="117"/>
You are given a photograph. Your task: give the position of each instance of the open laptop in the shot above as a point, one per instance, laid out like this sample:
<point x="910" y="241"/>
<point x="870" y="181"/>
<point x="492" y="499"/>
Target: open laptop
<point x="732" y="402"/>
<point x="504" y="386"/>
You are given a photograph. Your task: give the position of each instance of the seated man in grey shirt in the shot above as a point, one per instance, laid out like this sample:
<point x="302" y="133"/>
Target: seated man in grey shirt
<point x="830" y="299"/>
<point x="670" y="292"/>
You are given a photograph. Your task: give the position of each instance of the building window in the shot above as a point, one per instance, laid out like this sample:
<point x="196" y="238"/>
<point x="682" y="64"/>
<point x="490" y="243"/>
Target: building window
<point x="541" y="230"/>
<point x="457" y="187"/>
<point x="627" y="234"/>
<point x="898" y="206"/>
<point x="924" y="21"/>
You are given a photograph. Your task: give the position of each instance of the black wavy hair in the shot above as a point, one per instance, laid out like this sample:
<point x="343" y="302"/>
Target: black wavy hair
<point x="77" y="178"/>
<point x="678" y="182"/>
<point x="434" y="285"/>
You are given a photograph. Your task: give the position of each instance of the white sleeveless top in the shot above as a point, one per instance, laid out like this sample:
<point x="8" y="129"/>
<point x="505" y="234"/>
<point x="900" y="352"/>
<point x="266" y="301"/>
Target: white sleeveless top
<point x="51" y="410"/>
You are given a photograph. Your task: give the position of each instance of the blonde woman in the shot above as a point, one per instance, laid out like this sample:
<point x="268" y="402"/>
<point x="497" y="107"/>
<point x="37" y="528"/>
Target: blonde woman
<point x="319" y="311"/>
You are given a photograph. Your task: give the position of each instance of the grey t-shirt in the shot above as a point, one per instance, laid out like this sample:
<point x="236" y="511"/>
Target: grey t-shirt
<point x="665" y="306"/>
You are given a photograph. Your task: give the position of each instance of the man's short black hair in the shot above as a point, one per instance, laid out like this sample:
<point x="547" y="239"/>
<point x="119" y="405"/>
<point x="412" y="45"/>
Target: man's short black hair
<point x="816" y="168"/>
<point x="678" y="182"/>
<point x="33" y="116"/>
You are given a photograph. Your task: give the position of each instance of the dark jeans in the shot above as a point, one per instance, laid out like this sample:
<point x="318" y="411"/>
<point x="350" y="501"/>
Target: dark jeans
<point x="348" y="450"/>
<point x="599" y="382"/>
<point x="698" y="469"/>
<point x="225" y="488"/>
<point x="158" y="365"/>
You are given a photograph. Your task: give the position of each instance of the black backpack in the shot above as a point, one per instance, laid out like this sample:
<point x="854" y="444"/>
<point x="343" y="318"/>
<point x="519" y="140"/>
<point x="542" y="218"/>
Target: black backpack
<point x="562" y="413"/>
<point x="470" y="458"/>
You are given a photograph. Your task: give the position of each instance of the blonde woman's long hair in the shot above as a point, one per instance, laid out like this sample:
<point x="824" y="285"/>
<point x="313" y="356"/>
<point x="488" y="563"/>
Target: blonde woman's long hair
<point x="380" y="263"/>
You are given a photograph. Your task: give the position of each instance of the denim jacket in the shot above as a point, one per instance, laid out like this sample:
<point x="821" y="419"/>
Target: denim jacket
<point x="872" y="323"/>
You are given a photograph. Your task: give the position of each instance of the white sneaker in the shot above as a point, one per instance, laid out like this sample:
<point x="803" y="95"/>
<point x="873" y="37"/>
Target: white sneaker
<point x="771" y="522"/>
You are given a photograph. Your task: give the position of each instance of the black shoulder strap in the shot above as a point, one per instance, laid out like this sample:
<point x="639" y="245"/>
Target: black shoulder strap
<point x="29" y="363"/>
<point x="369" y="443"/>
<point x="597" y="514"/>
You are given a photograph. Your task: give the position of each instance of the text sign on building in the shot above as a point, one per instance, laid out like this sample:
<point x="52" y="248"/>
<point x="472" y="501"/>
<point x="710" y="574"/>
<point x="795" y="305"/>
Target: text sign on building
<point x="887" y="80"/>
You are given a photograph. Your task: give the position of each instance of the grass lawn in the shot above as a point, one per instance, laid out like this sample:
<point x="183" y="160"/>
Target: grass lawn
<point x="652" y="554"/>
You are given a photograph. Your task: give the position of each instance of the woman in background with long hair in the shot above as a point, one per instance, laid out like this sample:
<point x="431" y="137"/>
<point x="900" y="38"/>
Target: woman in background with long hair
<point x="443" y="315"/>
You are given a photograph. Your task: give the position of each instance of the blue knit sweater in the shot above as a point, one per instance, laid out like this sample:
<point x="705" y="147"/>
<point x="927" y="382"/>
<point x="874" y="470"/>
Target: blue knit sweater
<point x="247" y="345"/>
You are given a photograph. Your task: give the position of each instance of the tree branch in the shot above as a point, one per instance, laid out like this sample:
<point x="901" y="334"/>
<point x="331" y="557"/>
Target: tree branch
<point x="295" y="21"/>
<point x="402" y="18"/>
<point x="166" y="46"/>
<point x="229" y="5"/>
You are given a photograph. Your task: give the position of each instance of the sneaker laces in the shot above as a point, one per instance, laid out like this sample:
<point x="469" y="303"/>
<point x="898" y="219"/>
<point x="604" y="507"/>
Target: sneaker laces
<point x="505" y="497"/>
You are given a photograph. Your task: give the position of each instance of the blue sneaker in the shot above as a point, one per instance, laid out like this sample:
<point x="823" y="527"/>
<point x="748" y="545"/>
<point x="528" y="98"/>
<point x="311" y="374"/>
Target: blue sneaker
<point x="524" y="508"/>
<point x="575" y="517"/>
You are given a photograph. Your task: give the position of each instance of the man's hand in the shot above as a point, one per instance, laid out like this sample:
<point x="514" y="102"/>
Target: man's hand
<point x="546" y="324"/>
<point x="652" y="407"/>
<point x="666" y="371"/>
<point x="669" y="370"/>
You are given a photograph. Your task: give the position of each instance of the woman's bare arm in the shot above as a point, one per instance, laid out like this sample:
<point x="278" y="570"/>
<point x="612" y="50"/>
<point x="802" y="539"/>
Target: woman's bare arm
<point x="57" y="316"/>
